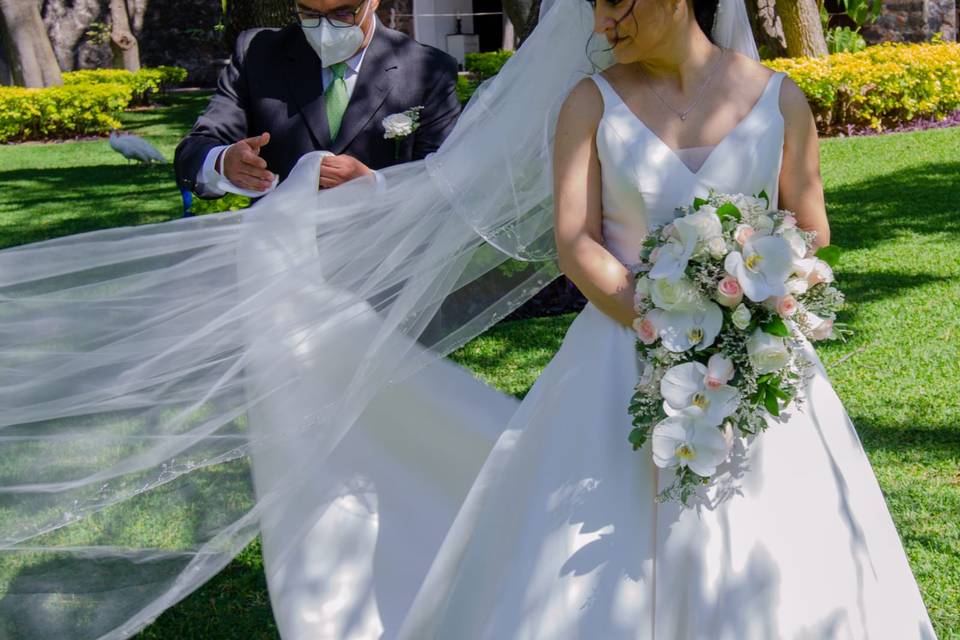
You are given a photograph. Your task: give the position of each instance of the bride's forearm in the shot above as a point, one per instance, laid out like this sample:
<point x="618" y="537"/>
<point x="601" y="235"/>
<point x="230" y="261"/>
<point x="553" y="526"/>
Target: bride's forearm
<point x="603" y="279"/>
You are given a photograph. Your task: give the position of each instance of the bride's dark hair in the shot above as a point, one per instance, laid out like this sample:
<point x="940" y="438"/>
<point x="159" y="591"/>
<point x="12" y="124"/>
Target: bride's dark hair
<point x="706" y="13"/>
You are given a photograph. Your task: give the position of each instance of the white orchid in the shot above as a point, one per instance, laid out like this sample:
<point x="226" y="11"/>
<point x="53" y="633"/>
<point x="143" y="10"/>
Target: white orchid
<point x="762" y="267"/>
<point x="697" y="328"/>
<point x="689" y="440"/>
<point x="720" y="371"/>
<point x="689" y="234"/>
<point x="796" y="242"/>
<point x="685" y="385"/>
<point x="671" y="258"/>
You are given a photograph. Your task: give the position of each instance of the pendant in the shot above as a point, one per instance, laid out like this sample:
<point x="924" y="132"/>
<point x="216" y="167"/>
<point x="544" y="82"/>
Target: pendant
<point x="683" y="116"/>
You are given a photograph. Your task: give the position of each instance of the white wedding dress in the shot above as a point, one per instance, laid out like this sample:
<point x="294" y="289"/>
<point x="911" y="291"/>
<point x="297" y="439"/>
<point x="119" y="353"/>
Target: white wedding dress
<point x="536" y="520"/>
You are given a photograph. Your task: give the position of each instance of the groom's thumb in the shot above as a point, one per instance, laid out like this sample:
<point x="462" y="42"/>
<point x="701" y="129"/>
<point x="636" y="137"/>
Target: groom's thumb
<point x="258" y="141"/>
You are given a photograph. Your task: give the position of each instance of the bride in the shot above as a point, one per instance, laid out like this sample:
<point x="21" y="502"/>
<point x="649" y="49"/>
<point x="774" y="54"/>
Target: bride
<point x="171" y="391"/>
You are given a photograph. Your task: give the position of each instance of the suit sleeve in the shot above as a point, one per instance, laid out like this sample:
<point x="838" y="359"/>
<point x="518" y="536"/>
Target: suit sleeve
<point x="223" y="122"/>
<point x="441" y="108"/>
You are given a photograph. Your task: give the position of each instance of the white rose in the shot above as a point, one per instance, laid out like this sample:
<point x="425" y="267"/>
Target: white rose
<point x="681" y="295"/>
<point x="748" y="205"/>
<point x="705" y="222"/>
<point x="767" y="353"/>
<point x="397" y="125"/>
<point x="717" y="248"/>
<point x="642" y="288"/>
<point x="741" y="317"/>
<point x="763" y="225"/>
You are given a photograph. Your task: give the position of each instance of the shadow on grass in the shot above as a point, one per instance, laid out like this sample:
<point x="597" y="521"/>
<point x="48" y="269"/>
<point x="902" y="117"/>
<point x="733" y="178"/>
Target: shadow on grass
<point x="922" y="199"/>
<point x="50" y="203"/>
<point x="173" y="113"/>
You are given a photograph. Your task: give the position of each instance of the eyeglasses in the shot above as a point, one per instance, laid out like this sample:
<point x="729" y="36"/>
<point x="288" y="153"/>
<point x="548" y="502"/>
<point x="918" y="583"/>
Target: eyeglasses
<point x="340" y="18"/>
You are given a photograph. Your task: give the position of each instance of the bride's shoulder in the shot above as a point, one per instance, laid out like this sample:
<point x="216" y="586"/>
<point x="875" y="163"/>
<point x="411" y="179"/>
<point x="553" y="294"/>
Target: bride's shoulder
<point x="583" y="103"/>
<point x="793" y="102"/>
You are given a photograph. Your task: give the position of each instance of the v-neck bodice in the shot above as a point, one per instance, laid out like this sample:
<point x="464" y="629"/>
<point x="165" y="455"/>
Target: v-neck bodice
<point x="644" y="180"/>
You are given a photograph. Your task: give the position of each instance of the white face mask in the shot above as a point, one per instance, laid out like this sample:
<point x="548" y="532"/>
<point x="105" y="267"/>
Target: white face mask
<point x="335" y="44"/>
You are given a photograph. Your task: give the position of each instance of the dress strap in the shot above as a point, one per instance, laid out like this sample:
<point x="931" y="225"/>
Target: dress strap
<point x="610" y="97"/>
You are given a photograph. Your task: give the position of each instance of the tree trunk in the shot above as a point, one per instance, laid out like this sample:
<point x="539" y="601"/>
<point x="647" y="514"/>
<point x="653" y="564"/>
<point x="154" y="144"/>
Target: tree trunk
<point x="126" y="51"/>
<point x="67" y="22"/>
<point x="802" y="28"/>
<point x="29" y="52"/>
<point x="524" y="15"/>
<point x="767" y="29"/>
<point x="249" y="14"/>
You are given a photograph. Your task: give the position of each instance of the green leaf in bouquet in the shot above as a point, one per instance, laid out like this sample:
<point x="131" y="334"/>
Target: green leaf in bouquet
<point x="776" y="327"/>
<point x="729" y="210"/>
<point x="766" y="198"/>
<point x="778" y="392"/>
<point x="771" y="403"/>
<point x="698" y="202"/>
<point x="637" y="437"/>
<point x="829" y="254"/>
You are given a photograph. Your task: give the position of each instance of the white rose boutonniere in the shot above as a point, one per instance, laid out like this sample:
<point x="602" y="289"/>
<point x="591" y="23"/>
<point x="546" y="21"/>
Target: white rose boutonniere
<point x="398" y="126"/>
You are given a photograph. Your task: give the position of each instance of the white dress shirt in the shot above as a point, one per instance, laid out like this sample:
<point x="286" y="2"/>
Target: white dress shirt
<point x="216" y="184"/>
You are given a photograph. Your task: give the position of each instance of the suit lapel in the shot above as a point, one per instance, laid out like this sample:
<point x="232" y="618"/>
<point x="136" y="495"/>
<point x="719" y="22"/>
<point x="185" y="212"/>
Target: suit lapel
<point x="304" y="77"/>
<point x="378" y="72"/>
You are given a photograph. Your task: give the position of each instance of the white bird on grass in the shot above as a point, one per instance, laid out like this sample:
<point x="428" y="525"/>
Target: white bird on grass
<point x="134" y="147"/>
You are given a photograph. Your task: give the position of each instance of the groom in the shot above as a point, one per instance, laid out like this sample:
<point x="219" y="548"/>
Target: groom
<point x="324" y="83"/>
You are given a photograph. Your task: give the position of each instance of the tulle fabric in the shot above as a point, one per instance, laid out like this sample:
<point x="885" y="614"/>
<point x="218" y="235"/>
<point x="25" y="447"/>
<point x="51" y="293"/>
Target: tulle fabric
<point x="140" y="367"/>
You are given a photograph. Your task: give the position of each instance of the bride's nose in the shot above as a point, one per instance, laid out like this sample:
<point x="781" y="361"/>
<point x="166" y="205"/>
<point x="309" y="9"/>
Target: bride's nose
<point x="604" y="24"/>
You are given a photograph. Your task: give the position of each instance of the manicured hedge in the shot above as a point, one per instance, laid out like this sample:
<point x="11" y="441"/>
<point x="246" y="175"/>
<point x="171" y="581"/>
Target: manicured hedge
<point x="61" y="112"/>
<point x="88" y="103"/>
<point x="881" y="86"/>
<point x="145" y="83"/>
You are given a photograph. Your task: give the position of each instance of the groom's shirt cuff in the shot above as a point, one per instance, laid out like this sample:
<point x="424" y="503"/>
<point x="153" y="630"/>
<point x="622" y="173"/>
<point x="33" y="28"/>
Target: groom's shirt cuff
<point x="213" y="183"/>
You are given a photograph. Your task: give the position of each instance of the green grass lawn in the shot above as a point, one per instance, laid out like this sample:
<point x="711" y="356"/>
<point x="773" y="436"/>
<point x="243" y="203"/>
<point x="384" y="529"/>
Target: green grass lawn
<point x="894" y="204"/>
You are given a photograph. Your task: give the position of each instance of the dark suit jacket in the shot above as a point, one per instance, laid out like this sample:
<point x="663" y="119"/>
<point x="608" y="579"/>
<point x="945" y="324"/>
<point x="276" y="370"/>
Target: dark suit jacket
<point x="274" y="83"/>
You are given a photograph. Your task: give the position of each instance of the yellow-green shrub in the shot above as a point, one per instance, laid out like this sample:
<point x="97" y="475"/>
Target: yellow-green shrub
<point x="61" y="112"/>
<point x="879" y="86"/>
<point x="144" y="83"/>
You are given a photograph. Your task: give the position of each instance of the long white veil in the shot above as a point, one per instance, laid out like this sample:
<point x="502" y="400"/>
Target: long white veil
<point x="140" y="368"/>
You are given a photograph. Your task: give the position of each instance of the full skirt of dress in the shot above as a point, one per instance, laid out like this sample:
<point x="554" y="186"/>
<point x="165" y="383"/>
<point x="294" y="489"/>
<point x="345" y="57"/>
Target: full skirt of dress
<point x="555" y="532"/>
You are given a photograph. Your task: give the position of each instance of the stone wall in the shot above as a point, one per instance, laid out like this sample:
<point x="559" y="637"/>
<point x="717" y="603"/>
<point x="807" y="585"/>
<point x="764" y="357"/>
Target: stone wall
<point x="914" y="21"/>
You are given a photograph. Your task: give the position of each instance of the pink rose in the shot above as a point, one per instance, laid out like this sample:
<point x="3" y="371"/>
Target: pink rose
<point x="729" y="292"/>
<point x="742" y="233"/>
<point x="789" y="222"/>
<point x="820" y="328"/>
<point x="645" y="329"/>
<point x="786" y="306"/>
<point x="821" y="272"/>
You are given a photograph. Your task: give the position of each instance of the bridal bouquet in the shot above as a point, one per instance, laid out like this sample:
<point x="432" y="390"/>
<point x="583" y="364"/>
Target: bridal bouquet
<point x="723" y="294"/>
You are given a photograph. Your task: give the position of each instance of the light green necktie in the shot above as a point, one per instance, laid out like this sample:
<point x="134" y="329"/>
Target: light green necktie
<point x="336" y="98"/>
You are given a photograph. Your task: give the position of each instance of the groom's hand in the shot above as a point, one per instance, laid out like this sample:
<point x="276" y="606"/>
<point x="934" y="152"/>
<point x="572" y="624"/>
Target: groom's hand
<point x="242" y="165"/>
<point x="335" y="170"/>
